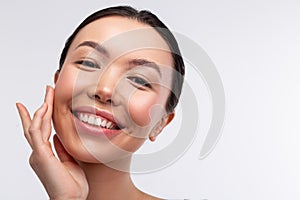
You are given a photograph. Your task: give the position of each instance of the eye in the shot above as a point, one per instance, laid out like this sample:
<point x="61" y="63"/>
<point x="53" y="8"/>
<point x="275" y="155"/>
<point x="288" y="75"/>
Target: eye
<point x="88" y="63"/>
<point x="140" y="81"/>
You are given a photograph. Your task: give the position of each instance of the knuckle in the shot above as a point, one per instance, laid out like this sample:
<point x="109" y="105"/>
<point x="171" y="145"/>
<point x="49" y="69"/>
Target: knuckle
<point x="32" y="160"/>
<point x="32" y="129"/>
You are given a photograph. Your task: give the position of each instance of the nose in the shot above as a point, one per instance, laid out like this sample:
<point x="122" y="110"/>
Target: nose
<point x="105" y="86"/>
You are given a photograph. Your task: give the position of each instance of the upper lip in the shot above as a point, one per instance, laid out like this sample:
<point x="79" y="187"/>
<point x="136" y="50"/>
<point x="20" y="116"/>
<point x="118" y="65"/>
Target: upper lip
<point x="96" y="111"/>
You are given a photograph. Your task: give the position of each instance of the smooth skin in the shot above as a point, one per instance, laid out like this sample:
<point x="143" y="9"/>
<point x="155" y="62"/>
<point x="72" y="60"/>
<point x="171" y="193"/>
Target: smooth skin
<point x="62" y="178"/>
<point x="69" y="176"/>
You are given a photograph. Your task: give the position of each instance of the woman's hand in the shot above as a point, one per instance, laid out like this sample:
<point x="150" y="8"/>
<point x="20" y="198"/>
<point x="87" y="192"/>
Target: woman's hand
<point x="62" y="179"/>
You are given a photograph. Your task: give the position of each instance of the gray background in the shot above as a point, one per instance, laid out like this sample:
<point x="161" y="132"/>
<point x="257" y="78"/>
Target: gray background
<point x="255" y="46"/>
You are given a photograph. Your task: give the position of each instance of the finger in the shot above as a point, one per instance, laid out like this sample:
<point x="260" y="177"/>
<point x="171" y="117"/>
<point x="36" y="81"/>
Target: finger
<point x="26" y="121"/>
<point x="49" y="100"/>
<point x="63" y="155"/>
<point x="46" y="126"/>
<point x="35" y="127"/>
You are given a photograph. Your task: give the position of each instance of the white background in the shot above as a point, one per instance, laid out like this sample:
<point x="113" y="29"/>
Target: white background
<point x="255" y="46"/>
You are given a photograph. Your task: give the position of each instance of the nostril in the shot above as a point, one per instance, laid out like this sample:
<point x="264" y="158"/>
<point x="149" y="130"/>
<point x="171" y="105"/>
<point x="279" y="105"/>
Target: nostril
<point x="96" y="97"/>
<point x="102" y="99"/>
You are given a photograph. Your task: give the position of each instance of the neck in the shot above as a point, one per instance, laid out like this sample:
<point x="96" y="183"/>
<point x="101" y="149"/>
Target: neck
<point x="105" y="182"/>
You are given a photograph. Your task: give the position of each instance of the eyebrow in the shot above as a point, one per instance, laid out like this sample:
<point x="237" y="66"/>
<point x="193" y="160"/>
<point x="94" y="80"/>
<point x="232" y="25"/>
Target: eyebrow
<point x="144" y="62"/>
<point x="95" y="46"/>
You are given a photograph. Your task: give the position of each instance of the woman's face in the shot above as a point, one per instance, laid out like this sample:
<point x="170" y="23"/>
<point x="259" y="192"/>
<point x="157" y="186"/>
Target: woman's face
<point x="111" y="93"/>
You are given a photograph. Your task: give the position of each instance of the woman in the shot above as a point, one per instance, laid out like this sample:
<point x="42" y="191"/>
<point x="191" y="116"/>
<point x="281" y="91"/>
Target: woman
<point x="118" y="83"/>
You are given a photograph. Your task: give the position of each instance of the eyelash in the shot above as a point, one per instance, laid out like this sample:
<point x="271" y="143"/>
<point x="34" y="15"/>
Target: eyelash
<point x="140" y="81"/>
<point x="88" y="63"/>
<point x="136" y="80"/>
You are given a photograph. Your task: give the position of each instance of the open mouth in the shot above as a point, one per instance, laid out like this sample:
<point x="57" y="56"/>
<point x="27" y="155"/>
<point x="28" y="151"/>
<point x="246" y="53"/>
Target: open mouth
<point x="95" y="120"/>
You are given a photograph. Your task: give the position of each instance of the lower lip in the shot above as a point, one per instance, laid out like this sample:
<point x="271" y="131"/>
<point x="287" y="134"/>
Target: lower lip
<point x="95" y="130"/>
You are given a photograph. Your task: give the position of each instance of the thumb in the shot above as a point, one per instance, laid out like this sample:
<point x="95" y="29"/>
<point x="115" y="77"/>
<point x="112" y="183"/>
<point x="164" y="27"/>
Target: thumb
<point x="63" y="155"/>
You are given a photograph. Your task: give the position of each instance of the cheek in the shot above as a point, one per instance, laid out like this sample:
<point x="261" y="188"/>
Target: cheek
<point x="142" y="104"/>
<point x="62" y="117"/>
<point x="62" y="98"/>
<point x="139" y="107"/>
<point x="64" y="85"/>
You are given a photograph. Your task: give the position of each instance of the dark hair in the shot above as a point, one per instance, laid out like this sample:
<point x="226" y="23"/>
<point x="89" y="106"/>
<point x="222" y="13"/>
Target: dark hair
<point x="150" y="19"/>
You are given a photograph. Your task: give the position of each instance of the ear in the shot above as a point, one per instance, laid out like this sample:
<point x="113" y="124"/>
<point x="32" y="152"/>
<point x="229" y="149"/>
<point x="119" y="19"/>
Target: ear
<point x="165" y="120"/>
<point x="56" y="75"/>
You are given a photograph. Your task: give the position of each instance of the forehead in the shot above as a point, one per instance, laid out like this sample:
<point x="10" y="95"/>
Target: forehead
<point x="124" y="36"/>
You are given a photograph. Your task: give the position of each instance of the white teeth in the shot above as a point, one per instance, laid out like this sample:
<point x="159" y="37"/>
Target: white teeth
<point x="108" y="125"/>
<point x="85" y="118"/>
<point x="98" y="122"/>
<point x="94" y="120"/>
<point x="91" y="120"/>
<point x="103" y="123"/>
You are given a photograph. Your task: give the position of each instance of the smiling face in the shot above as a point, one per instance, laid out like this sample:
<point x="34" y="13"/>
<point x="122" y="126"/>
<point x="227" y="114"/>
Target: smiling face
<point x="112" y="90"/>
